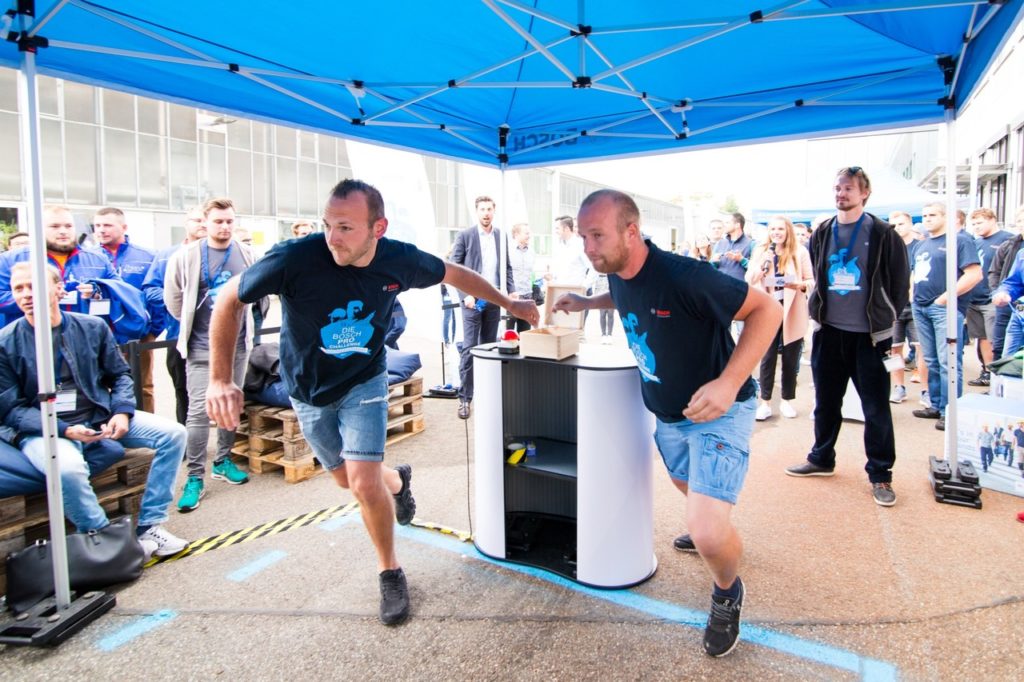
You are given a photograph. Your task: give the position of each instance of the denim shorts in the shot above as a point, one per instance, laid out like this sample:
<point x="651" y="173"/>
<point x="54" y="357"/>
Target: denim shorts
<point x="721" y="448"/>
<point x="353" y="427"/>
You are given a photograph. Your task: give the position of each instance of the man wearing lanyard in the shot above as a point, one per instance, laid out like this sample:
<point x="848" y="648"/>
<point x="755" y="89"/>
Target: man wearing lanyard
<point x="860" y="263"/>
<point x="194" y="278"/>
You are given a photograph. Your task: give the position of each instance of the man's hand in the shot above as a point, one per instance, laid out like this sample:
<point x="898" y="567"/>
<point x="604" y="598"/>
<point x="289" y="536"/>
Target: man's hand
<point x="570" y="303"/>
<point x="735" y="256"/>
<point x="82" y="433"/>
<point x="711" y="401"/>
<point x="525" y="309"/>
<point x="469" y="301"/>
<point x="1001" y="298"/>
<point x="116" y="426"/>
<point x="224" y="403"/>
<point x="941" y="300"/>
<point x="85" y="290"/>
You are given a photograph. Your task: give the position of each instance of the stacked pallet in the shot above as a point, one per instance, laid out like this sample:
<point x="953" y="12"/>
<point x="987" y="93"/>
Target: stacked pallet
<point x="270" y="438"/>
<point x="24" y="518"/>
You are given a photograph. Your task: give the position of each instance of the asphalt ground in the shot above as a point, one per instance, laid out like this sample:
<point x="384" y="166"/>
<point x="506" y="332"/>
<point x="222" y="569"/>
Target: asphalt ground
<point x="838" y="587"/>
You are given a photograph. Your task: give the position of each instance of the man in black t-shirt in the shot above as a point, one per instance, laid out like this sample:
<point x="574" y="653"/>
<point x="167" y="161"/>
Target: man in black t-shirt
<point x="338" y="290"/>
<point x="676" y="312"/>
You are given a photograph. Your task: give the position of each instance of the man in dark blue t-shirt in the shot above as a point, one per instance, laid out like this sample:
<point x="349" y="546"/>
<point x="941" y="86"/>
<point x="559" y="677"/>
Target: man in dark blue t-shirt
<point x="981" y="314"/>
<point x="338" y="290"/>
<point x="676" y="312"/>
<point x="928" y="264"/>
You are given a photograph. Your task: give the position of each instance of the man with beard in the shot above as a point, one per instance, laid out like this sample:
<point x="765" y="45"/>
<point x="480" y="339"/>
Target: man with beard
<point x="76" y="266"/>
<point x="703" y="399"/>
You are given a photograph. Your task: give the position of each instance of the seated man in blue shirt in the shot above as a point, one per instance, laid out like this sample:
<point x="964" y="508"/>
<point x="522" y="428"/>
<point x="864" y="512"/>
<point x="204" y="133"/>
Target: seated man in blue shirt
<point x="95" y="400"/>
<point x="338" y="290"/>
<point x="703" y="398"/>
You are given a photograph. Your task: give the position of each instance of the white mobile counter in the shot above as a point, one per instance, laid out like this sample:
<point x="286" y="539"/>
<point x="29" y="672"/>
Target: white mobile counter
<point x="582" y="507"/>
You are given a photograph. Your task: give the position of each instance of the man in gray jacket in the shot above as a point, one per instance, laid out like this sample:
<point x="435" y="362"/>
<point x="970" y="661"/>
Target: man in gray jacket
<point x="195" y="275"/>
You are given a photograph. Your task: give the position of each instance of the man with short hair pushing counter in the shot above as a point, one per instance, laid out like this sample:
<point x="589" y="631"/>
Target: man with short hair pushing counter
<point x="337" y="292"/>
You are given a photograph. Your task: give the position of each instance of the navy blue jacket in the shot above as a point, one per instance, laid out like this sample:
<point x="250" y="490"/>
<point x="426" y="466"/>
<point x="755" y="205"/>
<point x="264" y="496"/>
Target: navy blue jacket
<point x="88" y="348"/>
<point x="131" y="263"/>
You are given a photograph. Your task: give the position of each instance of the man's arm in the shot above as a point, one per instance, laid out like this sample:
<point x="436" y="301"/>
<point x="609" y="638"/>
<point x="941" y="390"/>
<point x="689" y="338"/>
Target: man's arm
<point x="465" y="280"/>
<point x="8" y="308"/>
<point x="223" y="398"/>
<point x="574" y="303"/>
<point x="761" y="316"/>
<point x="970" y="277"/>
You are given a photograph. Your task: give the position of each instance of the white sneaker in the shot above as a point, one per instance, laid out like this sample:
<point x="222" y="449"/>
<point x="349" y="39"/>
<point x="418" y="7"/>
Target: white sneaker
<point x="167" y="544"/>
<point x="148" y="549"/>
<point x="787" y="410"/>
<point x="925" y="400"/>
<point x="764" y="410"/>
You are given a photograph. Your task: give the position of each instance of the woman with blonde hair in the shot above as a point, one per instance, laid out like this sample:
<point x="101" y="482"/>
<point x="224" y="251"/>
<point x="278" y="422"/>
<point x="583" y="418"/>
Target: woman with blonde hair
<point x="782" y="268"/>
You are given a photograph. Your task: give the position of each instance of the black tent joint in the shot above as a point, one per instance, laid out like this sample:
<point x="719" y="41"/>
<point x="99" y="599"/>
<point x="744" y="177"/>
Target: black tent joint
<point x="948" y="66"/>
<point x="947" y="102"/>
<point x="682" y="135"/>
<point x="798" y="103"/>
<point x="442" y="127"/>
<point x="27" y="7"/>
<point x="503" y="131"/>
<point x="27" y="43"/>
<point x="503" y="159"/>
<point x="451" y="83"/>
<point x="234" y="68"/>
<point x="357" y="122"/>
<point x="756" y="17"/>
<point x="581" y="30"/>
<point x="581" y="82"/>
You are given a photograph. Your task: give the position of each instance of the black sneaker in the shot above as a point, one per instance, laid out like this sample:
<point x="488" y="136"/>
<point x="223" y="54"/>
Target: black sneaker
<point x="883" y="494"/>
<point x="809" y="469"/>
<point x="394" y="597"/>
<point x="684" y="543"/>
<point x="927" y="413"/>
<point x="941" y="424"/>
<point x="405" y="505"/>
<point x="723" y="629"/>
<point x="984" y="379"/>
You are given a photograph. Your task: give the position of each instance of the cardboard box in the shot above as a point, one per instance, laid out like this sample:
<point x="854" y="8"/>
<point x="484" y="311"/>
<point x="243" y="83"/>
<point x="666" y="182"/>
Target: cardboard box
<point x="987" y="436"/>
<point x="552" y="343"/>
<point x="560" y="337"/>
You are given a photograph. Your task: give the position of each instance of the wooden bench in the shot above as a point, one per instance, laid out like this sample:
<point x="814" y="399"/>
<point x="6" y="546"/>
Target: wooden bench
<point x="25" y="519"/>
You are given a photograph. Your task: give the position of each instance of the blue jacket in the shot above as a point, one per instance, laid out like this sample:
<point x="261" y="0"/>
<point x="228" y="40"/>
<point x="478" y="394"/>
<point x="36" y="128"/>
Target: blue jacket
<point x="132" y="263"/>
<point x="81" y="266"/>
<point x="153" y="289"/>
<point x="1014" y="282"/>
<point x="90" y="352"/>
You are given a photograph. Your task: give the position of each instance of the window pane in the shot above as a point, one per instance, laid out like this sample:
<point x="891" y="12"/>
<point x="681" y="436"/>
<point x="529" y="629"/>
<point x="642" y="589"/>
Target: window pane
<point x="262" y="190"/>
<point x="118" y="110"/>
<point x="153" y="175"/>
<point x="285" y="141"/>
<point x="119" y="167"/>
<point x="307" y="145"/>
<point x="287" y="201"/>
<point x="183" y="175"/>
<point x="329" y="177"/>
<point x="49" y="97"/>
<point x="10" y="169"/>
<point x="343" y="156"/>
<point x="326" y="145"/>
<point x="79" y="102"/>
<point x="80" y="161"/>
<point x="238" y="135"/>
<point x="309" y="195"/>
<point x="183" y="122"/>
<point x="260" y="137"/>
<point x="9" y="90"/>
<point x="240" y="180"/>
<point x="212" y="171"/>
<point x="52" y="160"/>
<point x="152" y="116"/>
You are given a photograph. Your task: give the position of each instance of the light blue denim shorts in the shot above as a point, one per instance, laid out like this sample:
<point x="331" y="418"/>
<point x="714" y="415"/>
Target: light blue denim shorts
<point x="711" y="457"/>
<point x="353" y="427"/>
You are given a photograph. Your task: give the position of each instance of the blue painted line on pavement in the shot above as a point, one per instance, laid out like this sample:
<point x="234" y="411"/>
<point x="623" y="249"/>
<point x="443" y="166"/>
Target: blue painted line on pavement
<point x="331" y="525"/>
<point x="139" y="627"/>
<point x="868" y="668"/>
<point x="254" y="567"/>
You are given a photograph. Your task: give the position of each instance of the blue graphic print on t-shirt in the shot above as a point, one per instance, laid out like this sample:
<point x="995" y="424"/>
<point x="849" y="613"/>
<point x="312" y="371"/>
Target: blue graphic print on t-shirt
<point x="345" y="334"/>
<point x="645" y="360"/>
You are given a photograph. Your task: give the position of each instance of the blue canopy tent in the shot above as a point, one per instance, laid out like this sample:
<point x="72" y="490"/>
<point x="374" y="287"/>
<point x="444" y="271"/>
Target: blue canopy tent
<point x="515" y="84"/>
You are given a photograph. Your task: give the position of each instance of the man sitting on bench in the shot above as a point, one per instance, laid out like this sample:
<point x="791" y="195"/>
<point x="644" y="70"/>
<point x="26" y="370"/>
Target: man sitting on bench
<point x="95" y="400"/>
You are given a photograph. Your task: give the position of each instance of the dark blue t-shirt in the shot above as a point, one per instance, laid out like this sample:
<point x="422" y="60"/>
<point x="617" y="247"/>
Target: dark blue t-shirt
<point x="676" y="312"/>
<point x="929" y="268"/>
<point x="987" y="247"/>
<point x="334" y="318"/>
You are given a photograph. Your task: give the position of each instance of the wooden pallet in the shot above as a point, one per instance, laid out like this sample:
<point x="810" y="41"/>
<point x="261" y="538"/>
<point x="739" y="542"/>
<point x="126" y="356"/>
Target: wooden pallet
<point x="295" y="470"/>
<point x="24" y="518"/>
<point x="405" y="410"/>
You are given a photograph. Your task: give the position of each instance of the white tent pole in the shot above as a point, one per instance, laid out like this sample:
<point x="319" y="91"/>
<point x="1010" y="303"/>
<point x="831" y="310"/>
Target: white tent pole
<point x="32" y="176"/>
<point x="952" y="328"/>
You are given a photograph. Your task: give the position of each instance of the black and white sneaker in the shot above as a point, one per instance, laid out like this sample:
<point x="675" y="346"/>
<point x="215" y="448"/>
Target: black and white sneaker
<point x="394" y="597"/>
<point x="405" y="505"/>
<point x="684" y="543"/>
<point x="723" y="629"/>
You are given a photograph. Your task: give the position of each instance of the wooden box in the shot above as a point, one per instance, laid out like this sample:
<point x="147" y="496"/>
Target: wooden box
<point x="552" y="343"/>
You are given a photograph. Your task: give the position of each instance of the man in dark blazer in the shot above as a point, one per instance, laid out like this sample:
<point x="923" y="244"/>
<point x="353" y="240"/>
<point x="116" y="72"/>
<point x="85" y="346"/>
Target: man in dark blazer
<point x="479" y="249"/>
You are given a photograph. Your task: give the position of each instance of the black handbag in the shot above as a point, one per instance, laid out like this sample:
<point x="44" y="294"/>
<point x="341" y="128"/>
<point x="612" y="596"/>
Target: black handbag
<point x="96" y="559"/>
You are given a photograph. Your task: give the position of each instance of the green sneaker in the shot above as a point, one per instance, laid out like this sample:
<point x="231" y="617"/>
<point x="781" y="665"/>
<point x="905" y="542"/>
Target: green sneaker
<point x="226" y="470"/>
<point x="190" y="497"/>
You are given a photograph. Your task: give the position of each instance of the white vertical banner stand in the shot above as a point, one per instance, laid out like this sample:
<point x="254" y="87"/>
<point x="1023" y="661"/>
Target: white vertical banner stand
<point x="31" y="172"/>
<point x="952" y="327"/>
